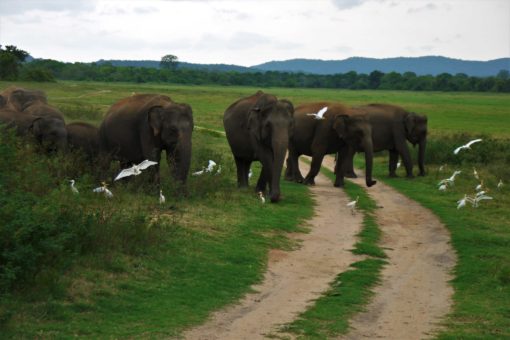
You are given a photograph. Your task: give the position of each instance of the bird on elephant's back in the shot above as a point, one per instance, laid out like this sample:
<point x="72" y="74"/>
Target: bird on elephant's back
<point x="340" y="129"/>
<point x="258" y="128"/>
<point x="141" y="126"/>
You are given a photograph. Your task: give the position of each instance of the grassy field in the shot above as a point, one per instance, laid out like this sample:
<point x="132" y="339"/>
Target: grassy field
<point x="208" y="255"/>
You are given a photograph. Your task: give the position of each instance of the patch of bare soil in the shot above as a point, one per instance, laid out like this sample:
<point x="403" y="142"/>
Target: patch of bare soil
<point x="294" y="278"/>
<point x="414" y="294"/>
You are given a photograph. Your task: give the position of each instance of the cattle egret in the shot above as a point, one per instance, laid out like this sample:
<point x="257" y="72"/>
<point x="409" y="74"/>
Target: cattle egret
<point x="352" y="205"/>
<point x="466" y="146"/>
<point x="475" y="173"/>
<point x="500" y="184"/>
<point x="262" y="198"/>
<point x="209" y="168"/>
<point x="135" y="170"/>
<point x="443" y="187"/>
<point x="450" y="180"/>
<point x="462" y="202"/>
<point x="399" y="164"/>
<point x="103" y="188"/>
<point x="442" y="167"/>
<point x="73" y="188"/>
<point x="250" y="174"/>
<point x="480" y="198"/>
<point x="162" y="198"/>
<point x="319" y="114"/>
<point x="479" y="186"/>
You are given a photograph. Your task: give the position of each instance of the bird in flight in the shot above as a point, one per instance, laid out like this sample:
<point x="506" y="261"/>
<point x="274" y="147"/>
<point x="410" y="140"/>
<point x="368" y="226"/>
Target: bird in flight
<point x="103" y="188"/>
<point x="450" y="180"/>
<point x="319" y="114"/>
<point x="73" y="188"/>
<point x="135" y="170"/>
<point x="466" y="146"/>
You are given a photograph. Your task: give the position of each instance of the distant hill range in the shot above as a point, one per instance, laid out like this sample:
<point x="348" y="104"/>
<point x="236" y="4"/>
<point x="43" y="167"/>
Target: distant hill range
<point x="432" y="65"/>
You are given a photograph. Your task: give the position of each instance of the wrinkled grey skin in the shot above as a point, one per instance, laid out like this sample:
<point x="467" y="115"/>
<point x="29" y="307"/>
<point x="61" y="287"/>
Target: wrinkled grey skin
<point x="392" y="127"/>
<point x="32" y="102"/>
<point x="140" y="127"/>
<point x="50" y="132"/>
<point x="343" y="130"/>
<point x="258" y="129"/>
<point x="83" y="137"/>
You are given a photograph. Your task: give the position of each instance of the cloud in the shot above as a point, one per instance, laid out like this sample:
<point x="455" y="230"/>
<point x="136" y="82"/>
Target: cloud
<point x="428" y="7"/>
<point x="13" y="7"/>
<point x="347" y="4"/>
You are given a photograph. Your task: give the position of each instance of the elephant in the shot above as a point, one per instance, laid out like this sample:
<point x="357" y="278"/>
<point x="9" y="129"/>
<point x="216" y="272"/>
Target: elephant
<point x="50" y="132"/>
<point x="341" y="129"/>
<point x="83" y="137"/>
<point x="33" y="102"/>
<point x="141" y="126"/>
<point x="392" y="126"/>
<point x="258" y="128"/>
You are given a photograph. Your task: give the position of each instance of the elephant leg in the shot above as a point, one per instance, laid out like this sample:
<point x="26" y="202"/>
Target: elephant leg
<point x="341" y="165"/>
<point x="242" y="172"/>
<point x="403" y="150"/>
<point x="315" y="167"/>
<point x="393" y="163"/>
<point x="262" y="181"/>
<point x="349" y="167"/>
<point x="288" y="169"/>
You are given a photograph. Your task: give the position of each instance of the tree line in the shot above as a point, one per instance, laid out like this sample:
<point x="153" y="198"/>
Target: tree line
<point x="48" y="70"/>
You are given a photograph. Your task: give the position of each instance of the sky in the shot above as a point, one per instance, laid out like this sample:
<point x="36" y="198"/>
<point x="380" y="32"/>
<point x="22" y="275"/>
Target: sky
<point x="251" y="32"/>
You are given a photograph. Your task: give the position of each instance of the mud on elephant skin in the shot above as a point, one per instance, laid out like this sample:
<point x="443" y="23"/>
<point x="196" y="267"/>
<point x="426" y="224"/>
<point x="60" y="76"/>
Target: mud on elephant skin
<point x="49" y="132"/>
<point x="344" y="130"/>
<point x="141" y="126"/>
<point x="258" y="128"/>
<point x="392" y="128"/>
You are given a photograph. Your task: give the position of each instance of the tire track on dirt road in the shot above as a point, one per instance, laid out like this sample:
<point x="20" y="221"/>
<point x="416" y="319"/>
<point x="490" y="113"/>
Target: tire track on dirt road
<point x="293" y="278"/>
<point x="414" y="294"/>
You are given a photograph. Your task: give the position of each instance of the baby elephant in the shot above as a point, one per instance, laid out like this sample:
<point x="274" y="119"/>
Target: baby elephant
<point x="83" y="137"/>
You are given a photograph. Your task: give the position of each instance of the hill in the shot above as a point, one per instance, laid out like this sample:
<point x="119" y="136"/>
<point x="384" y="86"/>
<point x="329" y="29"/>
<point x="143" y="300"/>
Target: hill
<point x="432" y="65"/>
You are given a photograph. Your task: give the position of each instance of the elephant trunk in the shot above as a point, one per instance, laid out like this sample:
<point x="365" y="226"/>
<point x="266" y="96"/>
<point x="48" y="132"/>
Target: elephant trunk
<point x="182" y="158"/>
<point x="421" y="155"/>
<point x="279" y="145"/>
<point x="369" y="156"/>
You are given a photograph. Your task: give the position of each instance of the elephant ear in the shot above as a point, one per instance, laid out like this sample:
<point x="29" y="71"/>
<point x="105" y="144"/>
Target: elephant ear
<point x="410" y="122"/>
<point x="288" y="105"/>
<point x="264" y="104"/>
<point x="155" y="119"/>
<point x="340" y="125"/>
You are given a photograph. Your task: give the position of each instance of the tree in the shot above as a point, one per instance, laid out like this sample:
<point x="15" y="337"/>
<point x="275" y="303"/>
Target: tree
<point x="168" y="62"/>
<point x="374" y="79"/>
<point x="10" y="61"/>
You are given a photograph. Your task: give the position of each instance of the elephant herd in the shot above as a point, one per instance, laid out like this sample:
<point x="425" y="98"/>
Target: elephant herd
<point x="260" y="127"/>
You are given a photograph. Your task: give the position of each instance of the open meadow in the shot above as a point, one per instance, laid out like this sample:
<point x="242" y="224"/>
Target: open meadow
<point x="130" y="267"/>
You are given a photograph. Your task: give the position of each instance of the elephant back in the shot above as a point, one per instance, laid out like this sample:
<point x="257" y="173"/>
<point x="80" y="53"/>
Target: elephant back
<point x="19" y="99"/>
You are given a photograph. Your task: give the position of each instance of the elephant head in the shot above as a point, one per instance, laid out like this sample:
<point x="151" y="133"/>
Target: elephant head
<point x="356" y="131"/>
<point x="50" y="132"/>
<point x="270" y="125"/>
<point x="171" y="125"/>
<point x="20" y="99"/>
<point x="416" y="133"/>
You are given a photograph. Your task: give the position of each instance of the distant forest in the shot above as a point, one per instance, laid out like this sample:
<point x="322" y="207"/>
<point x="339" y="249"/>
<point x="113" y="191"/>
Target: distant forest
<point x="48" y="70"/>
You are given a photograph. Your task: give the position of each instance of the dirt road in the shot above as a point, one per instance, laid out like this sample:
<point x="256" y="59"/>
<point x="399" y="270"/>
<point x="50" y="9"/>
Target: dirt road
<point x="414" y="293"/>
<point x="295" y="278"/>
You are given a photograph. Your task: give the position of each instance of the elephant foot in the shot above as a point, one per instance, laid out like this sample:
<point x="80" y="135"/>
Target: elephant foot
<point x="371" y="183"/>
<point x="309" y="181"/>
<point x="422" y="174"/>
<point x="351" y="175"/>
<point x="393" y="175"/>
<point x="339" y="185"/>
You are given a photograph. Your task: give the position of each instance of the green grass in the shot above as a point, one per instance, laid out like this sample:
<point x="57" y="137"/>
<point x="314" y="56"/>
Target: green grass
<point x="351" y="290"/>
<point x="212" y="244"/>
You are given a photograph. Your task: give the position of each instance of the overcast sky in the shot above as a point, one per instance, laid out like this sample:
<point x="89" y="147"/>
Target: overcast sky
<point x="250" y="32"/>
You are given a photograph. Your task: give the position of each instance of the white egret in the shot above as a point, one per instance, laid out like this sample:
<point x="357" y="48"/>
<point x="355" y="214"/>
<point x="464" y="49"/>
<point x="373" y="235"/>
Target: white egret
<point x="480" y="198"/>
<point x="73" y="188"/>
<point x="209" y="168"/>
<point x="500" y="184"/>
<point x="442" y="167"/>
<point x="475" y="173"/>
<point x="352" y="205"/>
<point x="462" y="202"/>
<point x="443" y="187"/>
<point x="135" y="170"/>
<point x="399" y="164"/>
<point x="250" y="174"/>
<point x="319" y="114"/>
<point x="466" y="146"/>
<point x="162" y="198"/>
<point x="479" y="186"/>
<point x="262" y="198"/>
<point x="450" y="180"/>
<point x="103" y="188"/>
